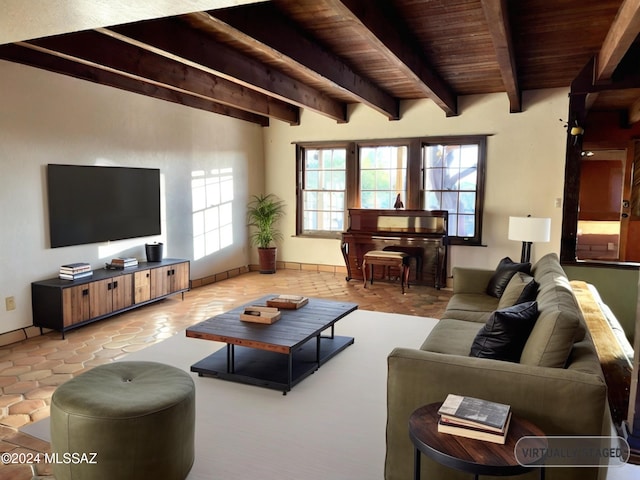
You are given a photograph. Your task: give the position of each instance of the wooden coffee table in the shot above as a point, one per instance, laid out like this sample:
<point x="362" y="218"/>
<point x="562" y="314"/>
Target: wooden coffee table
<point x="469" y="455"/>
<point x="277" y="355"/>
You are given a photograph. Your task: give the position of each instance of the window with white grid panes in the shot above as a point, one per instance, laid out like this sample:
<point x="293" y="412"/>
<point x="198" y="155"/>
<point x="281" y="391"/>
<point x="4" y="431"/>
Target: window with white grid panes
<point x="323" y="189"/>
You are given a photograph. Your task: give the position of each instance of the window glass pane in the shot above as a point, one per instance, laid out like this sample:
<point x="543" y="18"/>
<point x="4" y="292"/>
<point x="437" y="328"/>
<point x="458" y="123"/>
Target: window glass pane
<point x="466" y="225"/>
<point x="337" y="200"/>
<point x="368" y="200"/>
<point x="327" y="159"/>
<point x="312" y="159"/>
<point x="433" y="201"/>
<point x="338" y="180"/>
<point x="468" y="156"/>
<point x="452" y="156"/>
<point x="339" y="159"/>
<point x="450" y="201"/>
<point x="451" y="179"/>
<point x="312" y="180"/>
<point x="467" y="203"/>
<point x="368" y="180"/>
<point x="433" y="156"/>
<point x="310" y="200"/>
<point x="433" y="178"/>
<point x="469" y="179"/>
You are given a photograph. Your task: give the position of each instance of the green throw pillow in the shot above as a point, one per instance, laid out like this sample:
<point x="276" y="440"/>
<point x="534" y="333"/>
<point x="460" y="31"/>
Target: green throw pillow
<point x="521" y="288"/>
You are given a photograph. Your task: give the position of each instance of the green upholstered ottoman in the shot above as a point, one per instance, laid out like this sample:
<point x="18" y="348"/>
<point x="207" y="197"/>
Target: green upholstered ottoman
<point x="137" y="417"/>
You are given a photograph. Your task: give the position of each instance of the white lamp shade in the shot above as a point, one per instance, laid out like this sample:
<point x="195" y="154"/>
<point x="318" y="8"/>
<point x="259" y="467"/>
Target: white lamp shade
<point x="529" y="229"/>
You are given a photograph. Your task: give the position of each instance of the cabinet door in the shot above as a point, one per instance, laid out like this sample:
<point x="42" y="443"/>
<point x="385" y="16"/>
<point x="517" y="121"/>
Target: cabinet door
<point x="75" y="305"/>
<point x="142" y="286"/>
<point x="160" y="280"/>
<point x="180" y="277"/>
<point x="122" y="291"/>
<point x="101" y="297"/>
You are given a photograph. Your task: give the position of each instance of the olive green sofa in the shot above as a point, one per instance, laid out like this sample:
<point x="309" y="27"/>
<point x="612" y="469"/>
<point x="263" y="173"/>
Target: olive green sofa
<point x="558" y="382"/>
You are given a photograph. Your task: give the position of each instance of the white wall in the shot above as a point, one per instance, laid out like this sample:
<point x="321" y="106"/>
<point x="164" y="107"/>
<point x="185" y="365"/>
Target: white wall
<point x="49" y="118"/>
<point x="525" y="166"/>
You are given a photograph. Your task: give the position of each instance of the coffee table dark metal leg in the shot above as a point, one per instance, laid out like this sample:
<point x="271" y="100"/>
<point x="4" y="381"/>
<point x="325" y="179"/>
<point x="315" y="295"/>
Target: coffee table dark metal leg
<point x="416" y="464"/>
<point x="231" y="358"/>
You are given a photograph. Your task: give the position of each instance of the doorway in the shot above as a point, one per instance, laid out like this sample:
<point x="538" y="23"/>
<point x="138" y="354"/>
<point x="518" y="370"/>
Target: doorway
<point x="600" y="214"/>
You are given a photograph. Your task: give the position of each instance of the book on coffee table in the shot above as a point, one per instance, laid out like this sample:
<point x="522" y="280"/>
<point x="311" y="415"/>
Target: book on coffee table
<point x="288" y="301"/>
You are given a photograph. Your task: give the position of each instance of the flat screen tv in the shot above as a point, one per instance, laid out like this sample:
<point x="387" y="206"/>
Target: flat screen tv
<point x="91" y="204"/>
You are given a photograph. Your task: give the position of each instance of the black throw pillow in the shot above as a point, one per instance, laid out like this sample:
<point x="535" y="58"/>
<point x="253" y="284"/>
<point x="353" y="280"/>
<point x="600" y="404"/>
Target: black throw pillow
<point x="505" y="270"/>
<point x="504" y="335"/>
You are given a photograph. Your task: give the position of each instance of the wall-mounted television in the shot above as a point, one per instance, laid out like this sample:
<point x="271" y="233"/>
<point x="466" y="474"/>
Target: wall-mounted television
<point x="91" y="204"/>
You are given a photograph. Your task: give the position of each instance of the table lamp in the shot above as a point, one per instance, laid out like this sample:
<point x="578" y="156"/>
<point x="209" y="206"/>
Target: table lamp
<point x="528" y="230"/>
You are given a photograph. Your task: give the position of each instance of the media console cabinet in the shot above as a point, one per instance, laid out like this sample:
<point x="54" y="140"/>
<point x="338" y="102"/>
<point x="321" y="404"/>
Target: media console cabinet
<point x="63" y="305"/>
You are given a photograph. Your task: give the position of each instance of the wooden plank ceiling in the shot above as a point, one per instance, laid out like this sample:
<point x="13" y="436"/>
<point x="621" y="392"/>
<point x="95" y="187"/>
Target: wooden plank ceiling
<point x="270" y="60"/>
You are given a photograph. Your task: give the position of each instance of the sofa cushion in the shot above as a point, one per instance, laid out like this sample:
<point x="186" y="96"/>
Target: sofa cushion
<point x="520" y="289"/>
<point x="472" y="307"/>
<point x="503" y="337"/>
<point x="451" y="336"/>
<point x="551" y="339"/>
<point x="505" y="270"/>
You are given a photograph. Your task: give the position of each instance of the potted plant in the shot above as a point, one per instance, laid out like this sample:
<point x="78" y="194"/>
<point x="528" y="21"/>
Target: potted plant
<point x="263" y="213"/>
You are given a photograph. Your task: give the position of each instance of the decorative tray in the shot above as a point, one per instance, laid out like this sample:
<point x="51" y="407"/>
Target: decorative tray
<point x="260" y="314"/>
<point x="288" y="302"/>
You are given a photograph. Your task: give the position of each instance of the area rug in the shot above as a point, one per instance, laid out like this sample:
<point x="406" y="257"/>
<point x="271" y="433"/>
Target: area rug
<point x="329" y="426"/>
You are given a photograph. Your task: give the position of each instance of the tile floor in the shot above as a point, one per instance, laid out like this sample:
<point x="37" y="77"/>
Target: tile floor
<point x="31" y="369"/>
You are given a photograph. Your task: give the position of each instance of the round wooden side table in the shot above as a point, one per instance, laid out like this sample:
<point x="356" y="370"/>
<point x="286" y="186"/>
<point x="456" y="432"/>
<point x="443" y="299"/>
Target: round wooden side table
<point x="470" y="455"/>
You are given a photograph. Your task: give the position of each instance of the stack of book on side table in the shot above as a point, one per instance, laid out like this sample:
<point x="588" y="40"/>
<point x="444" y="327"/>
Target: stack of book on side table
<point x="74" y="271"/>
<point x="124" y="262"/>
<point x="474" y="418"/>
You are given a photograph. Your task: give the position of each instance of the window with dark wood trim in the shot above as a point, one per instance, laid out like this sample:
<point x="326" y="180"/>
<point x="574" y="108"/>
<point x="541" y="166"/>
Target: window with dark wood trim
<point x="426" y="173"/>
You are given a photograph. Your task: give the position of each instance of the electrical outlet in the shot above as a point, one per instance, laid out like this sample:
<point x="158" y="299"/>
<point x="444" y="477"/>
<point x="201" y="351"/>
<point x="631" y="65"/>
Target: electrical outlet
<point x="558" y="203"/>
<point x="10" y="303"/>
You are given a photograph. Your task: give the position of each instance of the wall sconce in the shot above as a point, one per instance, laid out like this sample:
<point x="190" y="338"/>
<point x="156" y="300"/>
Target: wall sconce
<point x="528" y="230"/>
<point x="577" y="130"/>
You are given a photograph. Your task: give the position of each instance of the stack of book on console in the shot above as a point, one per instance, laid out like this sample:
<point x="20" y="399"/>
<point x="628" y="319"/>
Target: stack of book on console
<point x="126" y="262"/>
<point x="474" y="418"/>
<point x="74" y="271"/>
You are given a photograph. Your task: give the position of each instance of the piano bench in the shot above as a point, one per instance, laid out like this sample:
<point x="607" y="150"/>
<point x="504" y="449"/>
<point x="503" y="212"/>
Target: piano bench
<point x="387" y="259"/>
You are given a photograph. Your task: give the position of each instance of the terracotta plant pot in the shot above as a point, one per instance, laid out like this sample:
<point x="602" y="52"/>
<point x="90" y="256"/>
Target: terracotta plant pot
<point x="267" y="258"/>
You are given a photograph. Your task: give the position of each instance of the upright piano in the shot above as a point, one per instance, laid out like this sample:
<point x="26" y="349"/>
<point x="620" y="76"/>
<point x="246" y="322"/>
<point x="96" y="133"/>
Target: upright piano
<point x="422" y="234"/>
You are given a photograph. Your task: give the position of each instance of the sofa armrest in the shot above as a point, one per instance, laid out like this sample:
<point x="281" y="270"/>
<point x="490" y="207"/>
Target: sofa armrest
<point x="471" y="280"/>
<point x="559" y="401"/>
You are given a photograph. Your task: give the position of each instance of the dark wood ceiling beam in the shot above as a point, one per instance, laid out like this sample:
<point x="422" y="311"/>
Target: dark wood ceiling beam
<point x="101" y="50"/>
<point x="26" y="55"/>
<point x="175" y="40"/>
<point x="623" y="32"/>
<point x="374" y="25"/>
<point x="495" y="11"/>
<point x="266" y="30"/>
